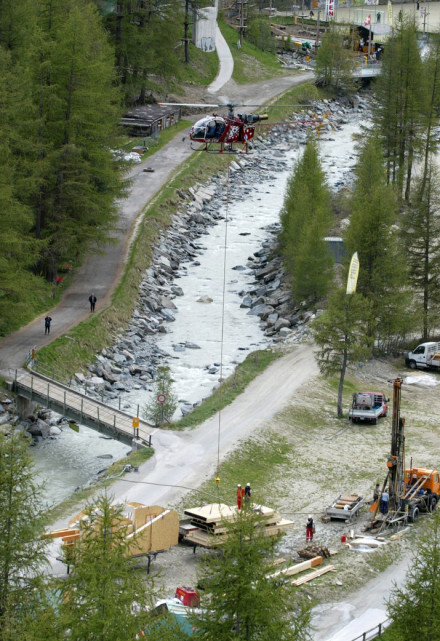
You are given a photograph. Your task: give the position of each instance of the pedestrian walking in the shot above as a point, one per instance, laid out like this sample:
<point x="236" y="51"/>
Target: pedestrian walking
<point x="310" y="528"/>
<point x="240" y="494"/>
<point x="47" y="322"/>
<point x="247" y="494"/>
<point x="384" y="502"/>
<point x="92" y="301"/>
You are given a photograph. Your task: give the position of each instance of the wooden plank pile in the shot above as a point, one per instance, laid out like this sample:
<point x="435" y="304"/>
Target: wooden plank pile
<point x="207" y="527"/>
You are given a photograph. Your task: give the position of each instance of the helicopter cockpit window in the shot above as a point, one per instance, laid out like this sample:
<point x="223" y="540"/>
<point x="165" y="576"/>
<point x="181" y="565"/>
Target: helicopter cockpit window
<point x="199" y="131"/>
<point x="208" y="129"/>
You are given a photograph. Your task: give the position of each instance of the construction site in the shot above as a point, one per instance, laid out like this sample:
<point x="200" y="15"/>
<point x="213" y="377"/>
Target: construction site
<point x="330" y="472"/>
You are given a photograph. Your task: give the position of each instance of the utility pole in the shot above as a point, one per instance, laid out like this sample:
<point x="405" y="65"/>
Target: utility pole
<point x="242" y="15"/>
<point x="317" y="30"/>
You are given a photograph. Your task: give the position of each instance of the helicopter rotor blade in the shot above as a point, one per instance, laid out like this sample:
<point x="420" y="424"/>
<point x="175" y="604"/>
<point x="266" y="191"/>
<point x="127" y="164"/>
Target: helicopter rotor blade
<point x="188" y="104"/>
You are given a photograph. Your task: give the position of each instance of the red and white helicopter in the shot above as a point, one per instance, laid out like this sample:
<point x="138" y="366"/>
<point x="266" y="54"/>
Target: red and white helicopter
<point x="222" y="131"/>
<point x="219" y="134"/>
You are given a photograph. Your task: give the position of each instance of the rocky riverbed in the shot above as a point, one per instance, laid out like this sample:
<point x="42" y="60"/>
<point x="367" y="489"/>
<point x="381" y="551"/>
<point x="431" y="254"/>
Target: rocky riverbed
<point x="128" y="368"/>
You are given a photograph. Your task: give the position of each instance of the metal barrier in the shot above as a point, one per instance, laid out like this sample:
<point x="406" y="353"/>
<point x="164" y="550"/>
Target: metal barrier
<point x="88" y="411"/>
<point x="374" y="633"/>
<point x="33" y="365"/>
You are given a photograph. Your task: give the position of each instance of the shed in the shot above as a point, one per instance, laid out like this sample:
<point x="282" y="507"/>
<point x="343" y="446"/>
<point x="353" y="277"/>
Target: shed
<point x="148" y="120"/>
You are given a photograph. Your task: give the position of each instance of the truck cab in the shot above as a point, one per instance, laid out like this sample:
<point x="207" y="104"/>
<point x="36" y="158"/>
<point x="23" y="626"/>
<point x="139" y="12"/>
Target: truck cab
<point x="421" y="489"/>
<point x="424" y="355"/>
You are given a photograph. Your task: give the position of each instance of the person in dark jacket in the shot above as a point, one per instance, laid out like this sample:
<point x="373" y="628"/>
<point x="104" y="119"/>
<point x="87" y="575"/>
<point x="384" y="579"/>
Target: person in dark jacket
<point x="247" y="494"/>
<point x="47" y="322"/>
<point x="92" y="301"/>
<point x="309" y="528"/>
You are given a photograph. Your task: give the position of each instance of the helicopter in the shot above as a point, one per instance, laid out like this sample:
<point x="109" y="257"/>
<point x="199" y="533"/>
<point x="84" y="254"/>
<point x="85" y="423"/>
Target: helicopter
<point x="224" y="131"/>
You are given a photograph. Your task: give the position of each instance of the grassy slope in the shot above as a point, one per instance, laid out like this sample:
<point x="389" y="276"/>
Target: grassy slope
<point x="250" y="63"/>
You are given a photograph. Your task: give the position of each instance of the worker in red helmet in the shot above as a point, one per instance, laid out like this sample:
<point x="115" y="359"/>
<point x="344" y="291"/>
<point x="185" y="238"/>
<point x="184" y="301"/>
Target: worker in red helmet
<point x="240" y="494"/>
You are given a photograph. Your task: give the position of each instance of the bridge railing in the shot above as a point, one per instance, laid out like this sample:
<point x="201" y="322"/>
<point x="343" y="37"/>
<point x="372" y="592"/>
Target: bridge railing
<point x="82" y="408"/>
<point x="121" y="405"/>
<point x="373" y="633"/>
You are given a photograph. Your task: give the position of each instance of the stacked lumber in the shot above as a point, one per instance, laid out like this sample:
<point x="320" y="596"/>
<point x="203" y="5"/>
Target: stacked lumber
<point x="208" y="524"/>
<point x="313" y="575"/>
<point x="347" y="499"/>
<point x="297" y="568"/>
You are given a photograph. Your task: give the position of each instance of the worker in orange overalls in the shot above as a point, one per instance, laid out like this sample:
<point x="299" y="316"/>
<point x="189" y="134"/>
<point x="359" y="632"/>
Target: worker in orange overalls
<point x="240" y="494"/>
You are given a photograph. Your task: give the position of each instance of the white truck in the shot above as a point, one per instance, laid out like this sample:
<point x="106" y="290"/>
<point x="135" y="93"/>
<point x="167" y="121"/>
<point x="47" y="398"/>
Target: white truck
<point x="368" y="406"/>
<point x="425" y="355"/>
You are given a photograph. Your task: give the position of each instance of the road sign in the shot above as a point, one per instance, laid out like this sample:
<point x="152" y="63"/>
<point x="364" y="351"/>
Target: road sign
<point x="161" y="398"/>
<point x="135" y="422"/>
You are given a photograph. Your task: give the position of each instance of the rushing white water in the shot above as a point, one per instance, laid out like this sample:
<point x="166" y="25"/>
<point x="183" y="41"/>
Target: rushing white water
<point x="71" y="460"/>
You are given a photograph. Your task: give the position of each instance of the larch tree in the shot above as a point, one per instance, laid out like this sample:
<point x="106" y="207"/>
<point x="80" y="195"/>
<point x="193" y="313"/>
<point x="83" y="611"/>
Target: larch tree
<point x="335" y="63"/>
<point x="341" y="334"/>
<point x="413" y="608"/>
<point x="373" y="233"/>
<point x="74" y="181"/>
<point x="104" y="597"/>
<point x="398" y="110"/>
<point x="421" y="233"/>
<point x="19" y="250"/>
<point x="22" y="551"/>
<point x="244" y="602"/>
<point x="306" y="220"/>
<point x="144" y="35"/>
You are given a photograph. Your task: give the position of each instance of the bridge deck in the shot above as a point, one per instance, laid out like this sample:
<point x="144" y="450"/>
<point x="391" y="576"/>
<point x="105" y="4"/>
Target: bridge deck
<point x="81" y="408"/>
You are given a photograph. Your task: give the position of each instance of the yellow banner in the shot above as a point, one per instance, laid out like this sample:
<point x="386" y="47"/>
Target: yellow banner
<point x="390" y="13"/>
<point x="353" y="274"/>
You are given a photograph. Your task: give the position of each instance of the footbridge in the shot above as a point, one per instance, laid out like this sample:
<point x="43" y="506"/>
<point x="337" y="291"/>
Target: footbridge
<point x="81" y="408"/>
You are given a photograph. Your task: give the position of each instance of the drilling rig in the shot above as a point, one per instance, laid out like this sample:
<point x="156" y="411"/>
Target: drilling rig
<point x="412" y="490"/>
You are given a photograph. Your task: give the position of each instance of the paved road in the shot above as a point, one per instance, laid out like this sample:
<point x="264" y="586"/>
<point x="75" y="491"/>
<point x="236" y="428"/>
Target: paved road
<point x="100" y="272"/>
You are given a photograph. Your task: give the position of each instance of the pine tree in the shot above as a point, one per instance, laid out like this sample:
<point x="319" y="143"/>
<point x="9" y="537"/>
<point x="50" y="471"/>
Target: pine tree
<point x="414" y="607"/>
<point x="341" y="334"/>
<point x="306" y="220"/>
<point x="104" y="596"/>
<point x="22" y="551"/>
<point x="373" y="234"/>
<point x="244" y="603"/>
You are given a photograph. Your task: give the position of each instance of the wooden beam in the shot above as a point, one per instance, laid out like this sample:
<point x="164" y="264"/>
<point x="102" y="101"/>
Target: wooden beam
<point x="313" y="575"/>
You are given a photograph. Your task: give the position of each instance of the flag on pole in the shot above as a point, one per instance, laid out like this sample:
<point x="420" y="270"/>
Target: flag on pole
<point x="353" y="273"/>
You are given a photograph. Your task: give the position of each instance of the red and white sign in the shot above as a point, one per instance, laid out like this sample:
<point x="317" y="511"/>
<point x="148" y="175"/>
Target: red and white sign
<point x="331" y="8"/>
<point x="161" y="398"/>
<point x="368" y="20"/>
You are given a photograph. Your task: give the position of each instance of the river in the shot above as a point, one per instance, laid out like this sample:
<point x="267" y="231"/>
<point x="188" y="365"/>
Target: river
<point x="72" y="459"/>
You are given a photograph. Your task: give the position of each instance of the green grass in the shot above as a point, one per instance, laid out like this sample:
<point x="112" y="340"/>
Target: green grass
<point x="106" y="480"/>
<point x="201" y="70"/>
<point x="258" y="461"/>
<point x="232" y="387"/>
<point x="250" y="63"/>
